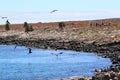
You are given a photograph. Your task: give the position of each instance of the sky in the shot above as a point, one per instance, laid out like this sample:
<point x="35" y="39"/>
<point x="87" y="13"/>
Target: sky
<point x="19" y="11"/>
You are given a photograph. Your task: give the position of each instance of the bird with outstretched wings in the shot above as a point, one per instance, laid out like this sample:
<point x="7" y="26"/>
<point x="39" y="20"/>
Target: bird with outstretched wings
<point x="2" y="17"/>
<point x="53" y="11"/>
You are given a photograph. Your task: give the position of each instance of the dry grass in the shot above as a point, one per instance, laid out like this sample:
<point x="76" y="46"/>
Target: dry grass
<point x="86" y="33"/>
<point x="72" y="32"/>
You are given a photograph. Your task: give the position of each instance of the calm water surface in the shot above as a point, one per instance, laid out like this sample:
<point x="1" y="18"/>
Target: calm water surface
<point x="41" y="64"/>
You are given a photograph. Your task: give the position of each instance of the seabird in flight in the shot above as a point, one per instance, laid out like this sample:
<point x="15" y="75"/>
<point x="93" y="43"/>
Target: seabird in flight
<point x="53" y="11"/>
<point x="3" y="17"/>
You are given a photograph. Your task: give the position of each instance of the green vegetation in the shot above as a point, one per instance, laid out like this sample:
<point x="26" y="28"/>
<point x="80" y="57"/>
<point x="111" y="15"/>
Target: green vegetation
<point x="61" y="25"/>
<point x="28" y="27"/>
<point x="7" y="28"/>
<point x="31" y="28"/>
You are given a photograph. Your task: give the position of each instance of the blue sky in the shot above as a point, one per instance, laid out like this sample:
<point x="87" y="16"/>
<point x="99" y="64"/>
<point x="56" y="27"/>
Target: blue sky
<point x="19" y="11"/>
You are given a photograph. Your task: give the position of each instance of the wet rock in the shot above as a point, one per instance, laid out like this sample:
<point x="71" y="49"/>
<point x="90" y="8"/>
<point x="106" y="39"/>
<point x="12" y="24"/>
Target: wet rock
<point x="106" y="76"/>
<point x="74" y="78"/>
<point x="115" y="78"/>
<point x="105" y="49"/>
<point x="98" y="70"/>
<point x="77" y="78"/>
<point x="112" y="74"/>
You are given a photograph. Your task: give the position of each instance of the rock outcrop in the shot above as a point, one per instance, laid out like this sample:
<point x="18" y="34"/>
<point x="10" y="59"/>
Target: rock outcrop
<point x="105" y="49"/>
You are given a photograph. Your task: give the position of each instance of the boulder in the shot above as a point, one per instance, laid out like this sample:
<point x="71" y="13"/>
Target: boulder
<point x="98" y="70"/>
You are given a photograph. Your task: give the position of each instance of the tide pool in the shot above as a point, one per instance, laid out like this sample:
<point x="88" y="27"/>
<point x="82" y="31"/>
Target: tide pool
<point x="41" y="64"/>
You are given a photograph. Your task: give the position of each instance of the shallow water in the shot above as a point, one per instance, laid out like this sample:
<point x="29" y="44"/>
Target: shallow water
<point x="41" y="64"/>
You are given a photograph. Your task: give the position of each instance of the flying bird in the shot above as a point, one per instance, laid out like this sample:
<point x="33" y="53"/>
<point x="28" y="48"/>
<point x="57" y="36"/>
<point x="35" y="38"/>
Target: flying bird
<point x="3" y="17"/>
<point x="53" y="11"/>
<point x="56" y="54"/>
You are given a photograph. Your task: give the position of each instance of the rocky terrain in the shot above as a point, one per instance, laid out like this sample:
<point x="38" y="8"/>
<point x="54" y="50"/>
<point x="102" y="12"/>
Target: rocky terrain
<point x="79" y="36"/>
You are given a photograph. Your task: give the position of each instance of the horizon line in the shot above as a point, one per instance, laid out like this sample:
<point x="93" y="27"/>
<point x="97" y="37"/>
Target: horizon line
<point x="63" y="21"/>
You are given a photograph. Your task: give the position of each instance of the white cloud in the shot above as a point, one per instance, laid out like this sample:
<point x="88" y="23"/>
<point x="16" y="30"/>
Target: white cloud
<point x="20" y="17"/>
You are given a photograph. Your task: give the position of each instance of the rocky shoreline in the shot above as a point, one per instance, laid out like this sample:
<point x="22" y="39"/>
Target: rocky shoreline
<point x="108" y="50"/>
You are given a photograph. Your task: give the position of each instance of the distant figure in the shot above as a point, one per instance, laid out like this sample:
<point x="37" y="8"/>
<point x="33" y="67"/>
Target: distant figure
<point x="53" y="11"/>
<point x="30" y="50"/>
<point x="96" y="24"/>
<point x="90" y="24"/>
<point x="102" y="23"/>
